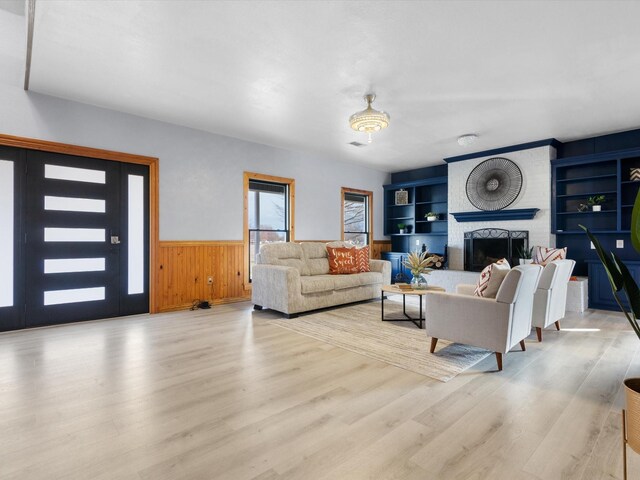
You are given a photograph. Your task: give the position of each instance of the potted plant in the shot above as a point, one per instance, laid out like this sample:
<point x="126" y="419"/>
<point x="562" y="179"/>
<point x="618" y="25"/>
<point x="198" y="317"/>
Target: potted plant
<point x="621" y="280"/>
<point x="418" y="263"/>
<point x="401" y="228"/>
<point x="431" y="216"/>
<point x="525" y="255"/>
<point x="596" y="202"/>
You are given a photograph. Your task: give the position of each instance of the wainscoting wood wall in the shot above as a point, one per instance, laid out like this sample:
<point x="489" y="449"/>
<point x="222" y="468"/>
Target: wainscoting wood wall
<point x="184" y="266"/>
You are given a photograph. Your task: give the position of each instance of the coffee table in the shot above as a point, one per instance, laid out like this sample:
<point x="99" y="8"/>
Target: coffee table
<point x="392" y="289"/>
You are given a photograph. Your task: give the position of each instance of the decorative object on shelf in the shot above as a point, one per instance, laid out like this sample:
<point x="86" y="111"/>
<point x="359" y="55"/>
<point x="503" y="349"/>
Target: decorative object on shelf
<point x="408" y="228"/>
<point x="634" y="174"/>
<point x="401" y="227"/>
<point x="418" y="263"/>
<point x="596" y="202"/>
<point x="402" y="197"/>
<point x="369" y="120"/>
<point x="494" y="184"/>
<point x="525" y="255"/>
<point x="620" y="279"/>
<point x="431" y="216"/>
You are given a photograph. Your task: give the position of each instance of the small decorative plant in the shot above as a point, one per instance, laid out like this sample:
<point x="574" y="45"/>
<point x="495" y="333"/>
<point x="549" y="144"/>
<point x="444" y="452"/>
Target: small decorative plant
<point x="525" y="253"/>
<point x="418" y="263"/>
<point x="401" y="227"/>
<point x="431" y="216"/>
<point x="596" y="202"/>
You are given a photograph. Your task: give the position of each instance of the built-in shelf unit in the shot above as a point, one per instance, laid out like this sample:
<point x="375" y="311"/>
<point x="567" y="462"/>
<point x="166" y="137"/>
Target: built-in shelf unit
<point x="576" y="179"/>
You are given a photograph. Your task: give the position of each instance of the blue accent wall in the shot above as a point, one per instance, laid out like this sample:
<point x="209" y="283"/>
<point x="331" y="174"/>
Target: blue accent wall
<point x="600" y="144"/>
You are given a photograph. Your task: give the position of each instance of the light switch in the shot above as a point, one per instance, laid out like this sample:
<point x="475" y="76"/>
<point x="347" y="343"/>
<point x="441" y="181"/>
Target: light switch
<point x="593" y="247"/>
<point x="418" y="242"/>
<point x="619" y="243"/>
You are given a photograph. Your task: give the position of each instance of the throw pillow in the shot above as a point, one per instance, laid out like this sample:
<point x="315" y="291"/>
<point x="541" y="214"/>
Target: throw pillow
<point x="544" y="255"/>
<point x="342" y="260"/>
<point x="362" y="259"/>
<point x="491" y="278"/>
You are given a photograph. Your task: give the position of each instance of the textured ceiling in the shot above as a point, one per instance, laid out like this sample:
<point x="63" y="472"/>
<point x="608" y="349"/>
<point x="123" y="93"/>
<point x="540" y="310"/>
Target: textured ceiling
<point x="289" y="74"/>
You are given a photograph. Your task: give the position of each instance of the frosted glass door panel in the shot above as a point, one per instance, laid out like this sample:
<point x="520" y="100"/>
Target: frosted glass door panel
<point x="136" y="235"/>
<point x="74" y="295"/>
<point x="74" y="234"/>
<point x="69" y="204"/>
<point x="6" y="233"/>
<point x="58" y="172"/>
<point x="69" y="265"/>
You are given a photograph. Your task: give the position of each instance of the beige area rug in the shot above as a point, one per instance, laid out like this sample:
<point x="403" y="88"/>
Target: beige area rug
<point x="358" y="328"/>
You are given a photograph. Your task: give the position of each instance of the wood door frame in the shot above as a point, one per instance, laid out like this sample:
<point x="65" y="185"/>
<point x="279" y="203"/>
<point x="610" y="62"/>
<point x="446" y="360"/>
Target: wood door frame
<point x="367" y="193"/>
<point x="245" y="217"/>
<point x="154" y="191"/>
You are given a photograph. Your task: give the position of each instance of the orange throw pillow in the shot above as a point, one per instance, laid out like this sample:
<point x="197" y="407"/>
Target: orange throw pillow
<point x="342" y="260"/>
<point x="362" y="259"/>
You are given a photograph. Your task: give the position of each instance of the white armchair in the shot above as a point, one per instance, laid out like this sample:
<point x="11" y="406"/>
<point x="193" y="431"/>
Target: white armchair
<point x="496" y="324"/>
<point x="550" y="299"/>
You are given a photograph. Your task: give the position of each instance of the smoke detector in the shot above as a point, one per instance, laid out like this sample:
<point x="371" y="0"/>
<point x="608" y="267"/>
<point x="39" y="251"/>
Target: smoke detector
<point x="467" y="139"/>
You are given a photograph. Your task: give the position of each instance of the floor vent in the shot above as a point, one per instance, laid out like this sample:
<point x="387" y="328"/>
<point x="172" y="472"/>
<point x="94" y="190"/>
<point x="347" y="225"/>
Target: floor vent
<point x="358" y="144"/>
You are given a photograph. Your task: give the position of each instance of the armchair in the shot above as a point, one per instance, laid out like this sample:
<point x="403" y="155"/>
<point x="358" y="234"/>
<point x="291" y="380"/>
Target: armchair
<point x="550" y="299"/>
<point x="496" y="324"/>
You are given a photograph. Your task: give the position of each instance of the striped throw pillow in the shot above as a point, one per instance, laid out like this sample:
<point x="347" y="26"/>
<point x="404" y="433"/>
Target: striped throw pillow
<point x="491" y="278"/>
<point x="362" y="259"/>
<point x="544" y="255"/>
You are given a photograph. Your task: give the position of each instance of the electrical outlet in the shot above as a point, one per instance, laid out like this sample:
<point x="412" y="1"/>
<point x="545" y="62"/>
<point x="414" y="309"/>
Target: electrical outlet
<point x="619" y="243"/>
<point x="593" y="247"/>
<point x="209" y="280"/>
<point x="418" y="243"/>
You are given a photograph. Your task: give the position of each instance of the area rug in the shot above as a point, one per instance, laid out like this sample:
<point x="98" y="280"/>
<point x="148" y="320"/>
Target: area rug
<point x="358" y="328"/>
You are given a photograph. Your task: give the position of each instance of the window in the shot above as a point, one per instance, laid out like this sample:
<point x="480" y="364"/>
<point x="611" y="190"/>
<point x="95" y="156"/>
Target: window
<point x="268" y="214"/>
<point x="357" y="216"/>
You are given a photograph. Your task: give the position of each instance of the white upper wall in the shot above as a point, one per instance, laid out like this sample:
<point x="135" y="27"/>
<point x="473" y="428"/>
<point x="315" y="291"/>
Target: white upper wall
<point x="201" y="174"/>
<point x="535" y="165"/>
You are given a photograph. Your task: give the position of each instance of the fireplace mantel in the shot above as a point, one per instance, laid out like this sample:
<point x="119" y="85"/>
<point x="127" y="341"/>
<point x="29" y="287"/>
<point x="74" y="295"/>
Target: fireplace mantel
<point x="486" y="216"/>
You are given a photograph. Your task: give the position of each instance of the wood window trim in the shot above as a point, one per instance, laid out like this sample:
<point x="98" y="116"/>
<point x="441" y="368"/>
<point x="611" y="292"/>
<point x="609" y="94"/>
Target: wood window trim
<point x="245" y="220"/>
<point x="369" y="194"/>
<point x="154" y="191"/>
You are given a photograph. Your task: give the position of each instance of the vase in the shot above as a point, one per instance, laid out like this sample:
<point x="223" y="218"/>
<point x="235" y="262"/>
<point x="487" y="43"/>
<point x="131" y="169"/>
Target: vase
<point x="418" y="282"/>
<point x="525" y="261"/>
<point x="597" y="208"/>
<point x="631" y="418"/>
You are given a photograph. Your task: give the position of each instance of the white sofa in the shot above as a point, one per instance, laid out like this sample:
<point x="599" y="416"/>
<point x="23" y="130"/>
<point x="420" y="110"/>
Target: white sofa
<point x="294" y="277"/>
<point x="497" y="324"/>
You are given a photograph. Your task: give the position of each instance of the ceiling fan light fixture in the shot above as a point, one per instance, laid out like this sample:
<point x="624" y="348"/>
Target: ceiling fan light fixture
<point x="467" y="139"/>
<point x="369" y="120"/>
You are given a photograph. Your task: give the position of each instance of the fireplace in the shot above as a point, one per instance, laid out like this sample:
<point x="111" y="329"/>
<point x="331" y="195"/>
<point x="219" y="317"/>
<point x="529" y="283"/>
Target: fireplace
<point x="487" y="245"/>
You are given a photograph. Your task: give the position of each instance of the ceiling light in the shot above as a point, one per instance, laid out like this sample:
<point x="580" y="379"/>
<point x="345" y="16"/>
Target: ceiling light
<point x="369" y="120"/>
<point x="467" y="139"/>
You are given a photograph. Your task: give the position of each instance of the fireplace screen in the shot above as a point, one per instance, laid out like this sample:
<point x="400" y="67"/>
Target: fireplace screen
<point x="485" y="246"/>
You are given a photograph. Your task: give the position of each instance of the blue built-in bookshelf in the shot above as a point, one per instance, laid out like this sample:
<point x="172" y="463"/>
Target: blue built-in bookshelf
<point x="574" y="180"/>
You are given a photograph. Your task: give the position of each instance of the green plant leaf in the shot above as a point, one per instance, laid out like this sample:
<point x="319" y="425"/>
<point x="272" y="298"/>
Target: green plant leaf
<point x="635" y="224"/>
<point x="615" y="277"/>
<point x="630" y="287"/>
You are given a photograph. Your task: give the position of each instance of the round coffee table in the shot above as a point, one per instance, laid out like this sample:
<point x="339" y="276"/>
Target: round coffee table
<point x="392" y="289"/>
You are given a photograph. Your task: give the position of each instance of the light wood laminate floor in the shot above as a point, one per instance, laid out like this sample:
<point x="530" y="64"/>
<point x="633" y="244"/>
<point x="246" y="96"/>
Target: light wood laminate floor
<point x="223" y="394"/>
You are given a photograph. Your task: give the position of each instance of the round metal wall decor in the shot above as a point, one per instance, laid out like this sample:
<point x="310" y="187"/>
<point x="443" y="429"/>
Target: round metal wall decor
<point x="494" y="184"/>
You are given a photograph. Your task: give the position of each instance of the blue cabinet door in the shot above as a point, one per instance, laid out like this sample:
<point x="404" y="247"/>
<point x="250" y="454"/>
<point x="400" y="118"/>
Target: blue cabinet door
<point x="397" y="269"/>
<point x="600" y="294"/>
